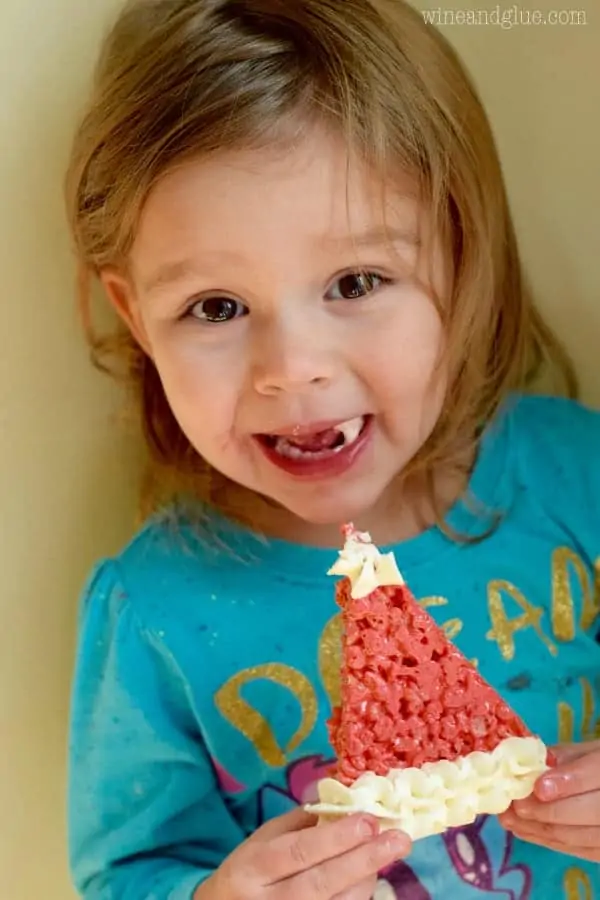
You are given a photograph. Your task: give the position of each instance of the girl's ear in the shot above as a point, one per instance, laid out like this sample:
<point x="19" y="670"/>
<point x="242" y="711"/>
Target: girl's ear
<point x="121" y="295"/>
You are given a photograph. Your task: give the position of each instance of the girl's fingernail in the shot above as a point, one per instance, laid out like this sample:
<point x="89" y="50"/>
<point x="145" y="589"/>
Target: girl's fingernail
<point x="549" y="788"/>
<point x="368" y="828"/>
<point x="522" y="808"/>
<point x="396" y="842"/>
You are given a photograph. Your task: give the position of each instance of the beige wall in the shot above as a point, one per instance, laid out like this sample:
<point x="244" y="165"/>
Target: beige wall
<point x="63" y="487"/>
<point x="64" y="477"/>
<point x="541" y="86"/>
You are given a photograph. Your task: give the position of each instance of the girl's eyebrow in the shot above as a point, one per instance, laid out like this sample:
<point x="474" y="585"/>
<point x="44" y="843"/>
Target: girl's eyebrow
<point x="170" y="273"/>
<point x="376" y="236"/>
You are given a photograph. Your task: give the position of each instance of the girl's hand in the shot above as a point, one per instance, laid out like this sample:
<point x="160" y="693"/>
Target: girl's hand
<point x="290" y="858"/>
<point x="564" y="811"/>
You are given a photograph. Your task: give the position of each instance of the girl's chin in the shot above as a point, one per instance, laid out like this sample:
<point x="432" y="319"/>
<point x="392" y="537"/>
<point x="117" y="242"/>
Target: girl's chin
<point x="279" y="512"/>
<point x="322" y="512"/>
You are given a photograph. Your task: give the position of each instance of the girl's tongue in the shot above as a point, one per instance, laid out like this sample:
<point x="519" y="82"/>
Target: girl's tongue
<point x="320" y="440"/>
<point x="318" y="443"/>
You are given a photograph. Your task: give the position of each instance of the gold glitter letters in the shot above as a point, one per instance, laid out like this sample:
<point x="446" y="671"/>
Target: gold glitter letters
<point x="453" y="627"/>
<point x="566" y="564"/>
<point x="429" y="602"/>
<point x="252" y="724"/>
<point x="503" y="629"/>
<point x="590" y="725"/>
<point x="577" y="885"/>
<point x="330" y="658"/>
<point x="566" y="723"/>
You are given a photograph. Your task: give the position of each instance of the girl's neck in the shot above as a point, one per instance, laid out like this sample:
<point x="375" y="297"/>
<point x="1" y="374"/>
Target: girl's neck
<point x="405" y="511"/>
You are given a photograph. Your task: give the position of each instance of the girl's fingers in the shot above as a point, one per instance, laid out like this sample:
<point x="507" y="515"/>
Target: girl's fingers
<point x="581" y="842"/>
<point x="346" y="872"/>
<point x="575" y="774"/>
<point x="565" y="753"/>
<point x="568" y="836"/>
<point x="299" y="851"/>
<point x="583" y="809"/>
<point x="297" y="820"/>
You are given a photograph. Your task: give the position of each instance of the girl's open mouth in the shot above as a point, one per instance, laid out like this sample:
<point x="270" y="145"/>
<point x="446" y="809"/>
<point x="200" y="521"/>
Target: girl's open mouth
<point x="318" y="453"/>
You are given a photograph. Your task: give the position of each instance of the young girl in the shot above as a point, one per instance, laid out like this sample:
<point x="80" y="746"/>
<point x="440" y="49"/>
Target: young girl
<point x="297" y="210"/>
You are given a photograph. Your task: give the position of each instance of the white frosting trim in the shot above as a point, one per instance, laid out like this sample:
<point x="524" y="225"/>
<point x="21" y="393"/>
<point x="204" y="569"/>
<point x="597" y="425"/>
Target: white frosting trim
<point x="365" y="566"/>
<point x="428" y="800"/>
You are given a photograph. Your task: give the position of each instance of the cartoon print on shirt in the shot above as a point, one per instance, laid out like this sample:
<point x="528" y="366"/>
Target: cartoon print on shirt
<point x="480" y="854"/>
<point x="300" y="787"/>
<point x="464" y="863"/>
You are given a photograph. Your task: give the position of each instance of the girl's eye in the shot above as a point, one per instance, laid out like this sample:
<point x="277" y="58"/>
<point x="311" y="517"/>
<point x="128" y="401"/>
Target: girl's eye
<point x="217" y="309"/>
<point x="356" y="285"/>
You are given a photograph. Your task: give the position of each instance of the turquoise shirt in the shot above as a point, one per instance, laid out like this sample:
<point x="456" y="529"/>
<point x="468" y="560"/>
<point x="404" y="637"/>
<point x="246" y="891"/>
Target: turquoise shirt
<point x="206" y="671"/>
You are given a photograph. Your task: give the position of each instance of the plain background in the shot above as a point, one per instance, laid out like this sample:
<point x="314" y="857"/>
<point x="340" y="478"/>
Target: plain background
<point x="67" y="484"/>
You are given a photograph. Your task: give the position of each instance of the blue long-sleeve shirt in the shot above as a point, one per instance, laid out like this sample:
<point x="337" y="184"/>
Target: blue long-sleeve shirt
<point x="206" y="671"/>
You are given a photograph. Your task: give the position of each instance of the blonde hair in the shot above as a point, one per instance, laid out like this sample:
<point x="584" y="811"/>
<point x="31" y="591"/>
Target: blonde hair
<point x="179" y="79"/>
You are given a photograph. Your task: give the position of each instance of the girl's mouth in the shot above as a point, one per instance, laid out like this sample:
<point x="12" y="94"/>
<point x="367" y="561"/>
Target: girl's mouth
<point x="318" y="452"/>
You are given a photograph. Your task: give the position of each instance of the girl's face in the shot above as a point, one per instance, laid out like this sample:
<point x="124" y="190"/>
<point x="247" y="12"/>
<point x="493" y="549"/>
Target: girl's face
<point x="297" y="348"/>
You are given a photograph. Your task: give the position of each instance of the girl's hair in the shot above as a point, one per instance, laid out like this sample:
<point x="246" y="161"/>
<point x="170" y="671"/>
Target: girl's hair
<point x="182" y="79"/>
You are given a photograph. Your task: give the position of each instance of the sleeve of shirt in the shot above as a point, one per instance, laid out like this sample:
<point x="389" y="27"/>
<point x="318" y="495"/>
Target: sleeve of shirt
<point x="146" y="819"/>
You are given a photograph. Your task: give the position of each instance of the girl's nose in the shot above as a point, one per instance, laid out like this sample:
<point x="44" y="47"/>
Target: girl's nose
<point x="292" y="363"/>
<point x="272" y="384"/>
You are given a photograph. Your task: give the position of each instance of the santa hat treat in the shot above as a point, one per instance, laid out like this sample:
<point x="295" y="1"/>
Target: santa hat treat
<point x="422" y="741"/>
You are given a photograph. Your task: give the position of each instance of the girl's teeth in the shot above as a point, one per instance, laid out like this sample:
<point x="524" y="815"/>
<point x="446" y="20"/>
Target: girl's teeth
<point x="284" y="448"/>
<point x="350" y="431"/>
